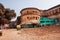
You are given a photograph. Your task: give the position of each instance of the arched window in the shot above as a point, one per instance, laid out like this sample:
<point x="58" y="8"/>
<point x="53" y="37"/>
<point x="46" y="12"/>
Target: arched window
<point x="33" y="17"/>
<point x="59" y="9"/>
<point x="51" y="12"/>
<point x="27" y="12"/>
<point x="27" y="17"/>
<point x="56" y="11"/>
<point x="36" y="18"/>
<point x="34" y="11"/>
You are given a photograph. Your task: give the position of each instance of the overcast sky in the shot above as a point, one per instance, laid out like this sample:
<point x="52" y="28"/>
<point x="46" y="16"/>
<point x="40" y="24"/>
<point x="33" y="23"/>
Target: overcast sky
<point x="17" y="5"/>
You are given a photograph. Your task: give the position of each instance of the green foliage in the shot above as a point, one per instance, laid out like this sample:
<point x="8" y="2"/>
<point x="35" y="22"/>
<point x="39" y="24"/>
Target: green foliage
<point x="9" y="14"/>
<point x="6" y="14"/>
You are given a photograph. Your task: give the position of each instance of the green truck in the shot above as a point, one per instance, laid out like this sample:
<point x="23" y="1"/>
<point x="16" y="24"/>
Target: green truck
<point x="46" y="21"/>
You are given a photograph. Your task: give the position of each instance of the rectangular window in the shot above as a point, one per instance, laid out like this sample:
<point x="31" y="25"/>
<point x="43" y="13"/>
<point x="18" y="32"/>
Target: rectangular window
<point x="47" y="21"/>
<point x="42" y="21"/>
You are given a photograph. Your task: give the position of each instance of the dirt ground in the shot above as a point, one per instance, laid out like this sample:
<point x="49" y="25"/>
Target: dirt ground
<point x="42" y="33"/>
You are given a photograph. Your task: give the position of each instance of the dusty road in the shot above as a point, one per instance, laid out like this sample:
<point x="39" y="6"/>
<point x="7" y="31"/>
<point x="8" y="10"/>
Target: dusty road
<point x="42" y="33"/>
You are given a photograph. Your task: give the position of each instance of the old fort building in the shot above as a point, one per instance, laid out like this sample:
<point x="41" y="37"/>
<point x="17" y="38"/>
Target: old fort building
<point x="54" y="11"/>
<point x="31" y="14"/>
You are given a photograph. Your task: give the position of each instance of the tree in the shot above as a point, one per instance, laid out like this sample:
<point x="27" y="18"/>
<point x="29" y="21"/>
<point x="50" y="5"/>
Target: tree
<point x="2" y="9"/>
<point x="6" y="14"/>
<point x="18" y="20"/>
<point x="9" y="14"/>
